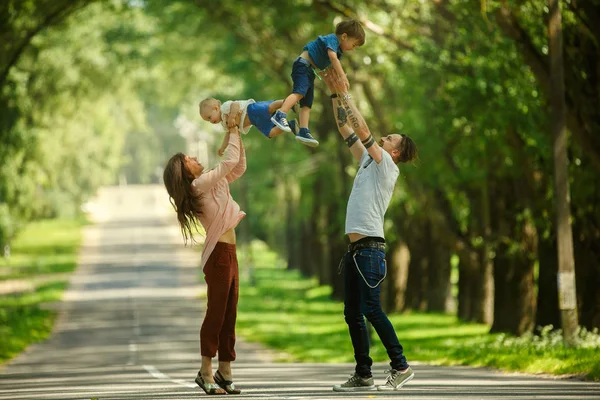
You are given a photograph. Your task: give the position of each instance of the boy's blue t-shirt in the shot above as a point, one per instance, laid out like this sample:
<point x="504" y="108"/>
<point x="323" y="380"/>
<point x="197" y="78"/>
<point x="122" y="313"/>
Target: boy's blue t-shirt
<point x="317" y="50"/>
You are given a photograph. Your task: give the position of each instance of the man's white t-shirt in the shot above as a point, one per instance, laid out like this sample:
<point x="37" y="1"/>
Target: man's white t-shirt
<point x="371" y="194"/>
<point x="226" y="108"/>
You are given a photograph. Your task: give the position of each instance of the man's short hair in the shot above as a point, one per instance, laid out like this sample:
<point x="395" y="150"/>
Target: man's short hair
<point x="408" y="150"/>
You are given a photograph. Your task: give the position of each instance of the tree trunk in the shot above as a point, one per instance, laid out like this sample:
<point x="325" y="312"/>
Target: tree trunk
<point x="416" y="284"/>
<point x="307" y="257"/>
<point x="547" y="299"/>
<point x="398" y="262"/>
<point x="337" y="248"/>
<point x="567" y="294"/>
<point x="475" y="302"/>
<point x="485" y="292"/>
<point x="587" y="254"/>
<point x="476" y="283"/>
<point x="324" y="262"/>
<point x="315" y="249"/>
<point x="514" y="290"/>
<point x="514" y="303"/>
<point x="291" y="231"/>
<point x="439" y="288"/>
<point x="466" y="272"/>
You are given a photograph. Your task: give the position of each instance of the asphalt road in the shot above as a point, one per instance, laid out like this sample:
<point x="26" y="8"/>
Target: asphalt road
<point x="128" y="329"/>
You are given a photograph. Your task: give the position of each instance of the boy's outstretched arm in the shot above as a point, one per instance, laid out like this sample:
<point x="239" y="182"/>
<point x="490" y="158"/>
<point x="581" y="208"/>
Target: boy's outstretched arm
<point x="337" y="66"/>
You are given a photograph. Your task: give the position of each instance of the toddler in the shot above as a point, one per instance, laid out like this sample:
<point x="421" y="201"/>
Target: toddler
<point x="317" y="55"/>
<point x="244" y="114"/>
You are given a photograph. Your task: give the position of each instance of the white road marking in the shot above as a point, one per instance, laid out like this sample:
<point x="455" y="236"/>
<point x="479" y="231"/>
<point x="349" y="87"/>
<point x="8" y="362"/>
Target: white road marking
<point x="159" y="375"/>
<point x="152" y="370"/>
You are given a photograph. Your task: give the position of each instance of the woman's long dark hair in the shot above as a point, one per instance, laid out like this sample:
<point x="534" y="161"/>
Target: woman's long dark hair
<point x="178" y="181"/>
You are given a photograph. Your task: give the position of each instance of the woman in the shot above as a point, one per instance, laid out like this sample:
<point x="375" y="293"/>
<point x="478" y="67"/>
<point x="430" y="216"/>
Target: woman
<point x="203" y="196"/>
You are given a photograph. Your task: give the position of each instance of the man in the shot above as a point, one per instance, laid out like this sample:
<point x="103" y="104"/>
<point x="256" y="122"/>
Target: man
<point x="364" y="264"/>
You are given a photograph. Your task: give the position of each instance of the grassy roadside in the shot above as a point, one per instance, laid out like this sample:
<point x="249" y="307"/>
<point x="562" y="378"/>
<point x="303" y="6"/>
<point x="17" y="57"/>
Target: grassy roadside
<point x="294" y="315"/>
<point x="45" y="249"/>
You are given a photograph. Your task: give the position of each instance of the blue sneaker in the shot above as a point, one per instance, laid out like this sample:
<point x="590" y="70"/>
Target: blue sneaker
<point x="306" y="138"/>
<point x="280" y="120"/>
<point x="294" y="126"/>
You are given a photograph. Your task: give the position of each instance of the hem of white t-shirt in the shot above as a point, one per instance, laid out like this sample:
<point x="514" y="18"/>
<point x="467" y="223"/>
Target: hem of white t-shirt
<point x="365" y="233"/>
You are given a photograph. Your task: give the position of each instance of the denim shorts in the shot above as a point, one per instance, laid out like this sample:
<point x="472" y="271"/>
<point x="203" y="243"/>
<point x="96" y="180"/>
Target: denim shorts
<point x="258" y="114"/>
<point x="304" y="81"/>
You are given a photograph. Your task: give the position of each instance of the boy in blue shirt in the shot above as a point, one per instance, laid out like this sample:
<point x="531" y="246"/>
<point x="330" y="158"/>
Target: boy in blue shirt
<point x="317" y="55"/>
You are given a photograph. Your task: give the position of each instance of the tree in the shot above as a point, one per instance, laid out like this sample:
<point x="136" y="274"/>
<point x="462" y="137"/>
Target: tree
<point x="566" y="267"/>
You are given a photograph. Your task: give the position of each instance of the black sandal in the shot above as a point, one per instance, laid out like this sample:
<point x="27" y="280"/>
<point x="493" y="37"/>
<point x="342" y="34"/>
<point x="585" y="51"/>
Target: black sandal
<point x="209" y="388"/>
<point x="228" y="386"/>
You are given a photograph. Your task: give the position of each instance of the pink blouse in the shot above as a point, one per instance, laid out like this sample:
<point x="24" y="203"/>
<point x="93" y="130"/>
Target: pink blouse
<point x="219" y="211"/>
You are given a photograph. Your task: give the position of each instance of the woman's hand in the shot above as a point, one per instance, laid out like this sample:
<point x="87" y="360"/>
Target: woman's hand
<point x="234" y="119"/>
<point x="231" y="121"/>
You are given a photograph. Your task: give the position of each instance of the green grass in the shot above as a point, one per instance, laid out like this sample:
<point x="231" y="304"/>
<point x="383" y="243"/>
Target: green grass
<point x="295" y="316"/>
<point x="44" y="248"/>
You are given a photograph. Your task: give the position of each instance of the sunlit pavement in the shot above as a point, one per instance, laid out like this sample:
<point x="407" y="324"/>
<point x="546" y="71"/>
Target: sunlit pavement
<point x="128" y="329"/>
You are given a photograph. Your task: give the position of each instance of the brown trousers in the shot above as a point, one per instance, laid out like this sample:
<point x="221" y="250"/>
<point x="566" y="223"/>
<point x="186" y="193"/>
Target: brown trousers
<point x="222" y="280"/>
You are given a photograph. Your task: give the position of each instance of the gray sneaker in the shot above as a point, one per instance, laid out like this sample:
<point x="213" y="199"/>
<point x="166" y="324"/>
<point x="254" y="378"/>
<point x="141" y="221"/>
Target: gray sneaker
<point x="396" y="379"/>
<point x="354" y="384"/>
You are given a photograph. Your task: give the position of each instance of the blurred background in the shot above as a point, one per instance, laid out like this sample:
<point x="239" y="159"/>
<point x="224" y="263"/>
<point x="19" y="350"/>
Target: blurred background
<point x="96" y="93"/>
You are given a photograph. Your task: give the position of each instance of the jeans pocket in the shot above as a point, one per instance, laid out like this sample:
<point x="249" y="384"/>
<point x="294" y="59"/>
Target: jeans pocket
<point x="371" y="265"/>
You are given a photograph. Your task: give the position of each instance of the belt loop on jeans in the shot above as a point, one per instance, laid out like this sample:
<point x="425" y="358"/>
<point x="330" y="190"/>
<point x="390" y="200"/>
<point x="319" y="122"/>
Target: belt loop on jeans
<point x="314" y="69"/>
<point x="352" y="247"/>
<point x="304" y="61"/>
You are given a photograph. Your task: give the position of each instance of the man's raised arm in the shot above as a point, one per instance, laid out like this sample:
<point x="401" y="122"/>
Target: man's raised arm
<point x="350" y="137"/>
<point x="349" y="120"/>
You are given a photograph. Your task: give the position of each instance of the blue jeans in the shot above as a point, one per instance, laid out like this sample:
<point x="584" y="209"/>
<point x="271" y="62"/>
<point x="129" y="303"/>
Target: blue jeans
<point x="361" y="301"/>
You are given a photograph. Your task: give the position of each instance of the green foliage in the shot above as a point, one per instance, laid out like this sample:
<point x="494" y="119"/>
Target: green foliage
<point x="40" y="254"/>
<point x="43" y="247"/>
<point x="23" y="321"/>
<point x="134" y="68"/>
<point x="549" y="338"/>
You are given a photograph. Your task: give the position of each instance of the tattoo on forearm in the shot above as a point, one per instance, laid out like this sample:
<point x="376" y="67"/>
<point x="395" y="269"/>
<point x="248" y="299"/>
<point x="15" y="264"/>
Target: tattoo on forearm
<point x="368" y="142"/>
<point x="346" y="114"/>
<point x="354" y="119"/>
<point x="350" y="140"/>
<point x="342" y="118"/>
